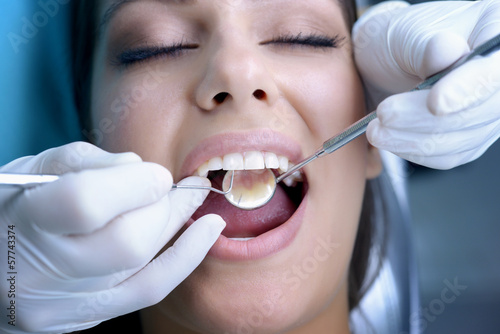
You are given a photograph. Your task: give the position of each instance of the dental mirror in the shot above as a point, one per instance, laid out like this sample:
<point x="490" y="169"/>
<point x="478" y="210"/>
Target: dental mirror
<point x="251" y="188"/>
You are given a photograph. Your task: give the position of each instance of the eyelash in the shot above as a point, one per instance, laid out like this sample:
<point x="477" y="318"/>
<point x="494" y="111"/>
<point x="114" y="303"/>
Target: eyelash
<point x="134" y="56"/>
<point x="312" y="40"/>
<point x="141" y="54"/>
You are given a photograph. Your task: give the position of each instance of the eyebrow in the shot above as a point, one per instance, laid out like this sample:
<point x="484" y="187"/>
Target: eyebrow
<point x="111" y="11"/>
<point x="117" y="5"/>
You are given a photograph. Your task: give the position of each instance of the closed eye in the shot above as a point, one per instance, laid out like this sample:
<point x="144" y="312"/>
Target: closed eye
<point x="311" y="40"/>
<point x="142" y="54"/>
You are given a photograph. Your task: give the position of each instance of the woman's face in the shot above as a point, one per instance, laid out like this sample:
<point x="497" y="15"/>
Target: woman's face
<point x="183" y="83"/>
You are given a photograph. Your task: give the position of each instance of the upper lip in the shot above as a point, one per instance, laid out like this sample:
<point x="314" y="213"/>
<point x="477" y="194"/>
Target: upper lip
<point x="257" y="140"/>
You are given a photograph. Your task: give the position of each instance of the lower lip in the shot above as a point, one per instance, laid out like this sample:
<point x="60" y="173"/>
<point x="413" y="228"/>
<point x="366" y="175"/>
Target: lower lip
<point x="262" y="246"/>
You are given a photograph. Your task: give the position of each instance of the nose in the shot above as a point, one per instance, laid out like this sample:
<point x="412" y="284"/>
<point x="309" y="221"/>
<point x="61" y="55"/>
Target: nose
<point x="235" y="72"/>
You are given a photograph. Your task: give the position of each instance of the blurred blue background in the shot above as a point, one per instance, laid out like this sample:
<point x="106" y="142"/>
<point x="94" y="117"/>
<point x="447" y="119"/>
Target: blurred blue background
<point x="36" y="111"/>
<point x="455" y="213"/>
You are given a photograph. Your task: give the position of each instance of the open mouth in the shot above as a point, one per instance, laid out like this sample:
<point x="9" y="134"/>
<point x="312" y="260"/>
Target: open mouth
<point x="243" y="224"/>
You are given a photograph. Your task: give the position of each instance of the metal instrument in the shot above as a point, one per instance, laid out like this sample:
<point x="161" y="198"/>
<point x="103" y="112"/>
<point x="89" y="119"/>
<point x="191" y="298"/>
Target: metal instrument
<point x="329" y="146"/>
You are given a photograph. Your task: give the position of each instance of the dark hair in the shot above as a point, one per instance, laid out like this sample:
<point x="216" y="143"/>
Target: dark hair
<point x="85" y="32"/>
<point x="350" y="12"/>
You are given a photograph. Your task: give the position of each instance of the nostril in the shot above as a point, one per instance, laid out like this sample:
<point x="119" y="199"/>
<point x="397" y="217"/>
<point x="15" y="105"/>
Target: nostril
<point x="259" y="94"/>
<point x="219" y="98"/>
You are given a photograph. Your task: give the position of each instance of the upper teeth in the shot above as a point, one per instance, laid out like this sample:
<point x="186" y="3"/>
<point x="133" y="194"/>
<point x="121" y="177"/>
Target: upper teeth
<point x="249" y="160"/>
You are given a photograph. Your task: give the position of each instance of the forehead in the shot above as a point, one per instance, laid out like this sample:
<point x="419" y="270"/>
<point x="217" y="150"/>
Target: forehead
<point x="109" y="8"/>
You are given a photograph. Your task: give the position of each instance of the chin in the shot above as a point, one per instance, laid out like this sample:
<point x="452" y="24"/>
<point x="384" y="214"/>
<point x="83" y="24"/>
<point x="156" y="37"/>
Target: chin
<point x="283" y="274"/>
<point x="276" y="293"/>
<point x="265" y="306"/>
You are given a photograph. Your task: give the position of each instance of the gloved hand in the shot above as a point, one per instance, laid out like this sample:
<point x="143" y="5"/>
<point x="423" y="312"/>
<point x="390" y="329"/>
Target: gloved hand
<point x="81" y="248"/>
<point x="397" y="46"/>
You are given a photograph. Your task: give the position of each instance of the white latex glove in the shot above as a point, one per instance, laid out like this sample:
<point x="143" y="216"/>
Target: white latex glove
<point x="84" y="245"/>
<point x="397" y="46"/>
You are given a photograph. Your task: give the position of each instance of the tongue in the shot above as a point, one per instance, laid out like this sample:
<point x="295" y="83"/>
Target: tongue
<point x="242" y="223"/>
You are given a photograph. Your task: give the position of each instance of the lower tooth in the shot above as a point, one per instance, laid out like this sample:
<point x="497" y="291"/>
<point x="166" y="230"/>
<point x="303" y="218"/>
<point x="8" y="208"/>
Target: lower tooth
<point x="241" y="239"/>
<point x="293" y="179"/>
<point x="290" y="182"/>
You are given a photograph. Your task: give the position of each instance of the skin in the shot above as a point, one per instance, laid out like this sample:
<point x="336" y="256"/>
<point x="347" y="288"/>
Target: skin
<point x="308" y="95"/>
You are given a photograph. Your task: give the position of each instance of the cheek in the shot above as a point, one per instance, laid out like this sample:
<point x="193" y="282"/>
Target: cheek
<point x="338" y="103"/>
<point x="330" y="103"/>
<point x="328" y="100"/>
<point x="139" y="113"/>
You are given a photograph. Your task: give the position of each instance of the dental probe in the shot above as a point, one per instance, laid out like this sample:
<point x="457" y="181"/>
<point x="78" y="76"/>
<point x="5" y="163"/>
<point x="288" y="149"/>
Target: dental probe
<point x="32" y="180"/>
<point x="26" y="180"/>
<point x="358" y="128"/>
<point x="240" y="198"/>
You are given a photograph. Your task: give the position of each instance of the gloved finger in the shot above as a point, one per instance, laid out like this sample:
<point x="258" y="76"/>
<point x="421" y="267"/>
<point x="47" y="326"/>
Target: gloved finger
<point x="444" y="162"/>
<point x="184" y="202"/>
<point x="440" y="51"/>
<point x="367" y="37"/>
<point x="435" y="44"/>
<point x="80" y="203"/>
<point x="436" y="142"/>
<point x="155" y="281"/>
<point x="134" y="238"/>
<point x="467" y="86"/>
<point x="56" y="316"/>
<point x="488" y="23"/>
<point x="404" y="55"/>
<point x="409" y="112"/>
<point x="437" y="148"/>
<point x="129" y="241"/>
<point x="70" y="157"/>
